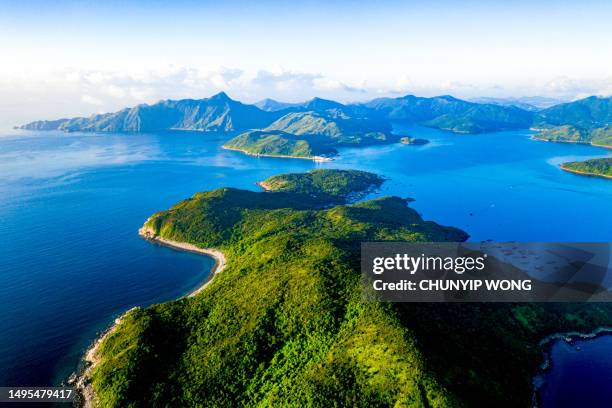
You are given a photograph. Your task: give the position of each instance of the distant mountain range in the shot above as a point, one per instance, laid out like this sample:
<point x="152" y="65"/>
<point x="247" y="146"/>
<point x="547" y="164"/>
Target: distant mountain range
<point x="452" y="114"/>
<point x="587" y="113"/>
<point x="529" y="103"/>
<point x="270" y="105"/>
<point x="218" y="113"/>
<point x="320" y="124"/>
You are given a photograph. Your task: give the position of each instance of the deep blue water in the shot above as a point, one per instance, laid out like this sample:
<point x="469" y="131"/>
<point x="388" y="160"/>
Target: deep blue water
<point x="580" y="374"/>
<point x="71" y="205"/>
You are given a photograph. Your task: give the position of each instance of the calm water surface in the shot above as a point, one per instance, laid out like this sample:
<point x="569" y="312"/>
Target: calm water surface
<point x="71" y="205"/>
<point x="580" y="374"/>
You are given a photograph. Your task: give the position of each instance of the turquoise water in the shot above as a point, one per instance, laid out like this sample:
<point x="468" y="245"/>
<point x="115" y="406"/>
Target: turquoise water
<point x="71" y="205"/>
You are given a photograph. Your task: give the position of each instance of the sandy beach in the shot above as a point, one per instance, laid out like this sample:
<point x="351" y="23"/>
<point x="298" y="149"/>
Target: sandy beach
<point x="82" y="381"/>
<point x="217" y="255"/>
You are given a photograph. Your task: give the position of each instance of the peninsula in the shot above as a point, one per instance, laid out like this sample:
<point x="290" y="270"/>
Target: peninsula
<point x="286" y="323"/>
<point x="279" y="144"/>
<point x="594" y="167"/>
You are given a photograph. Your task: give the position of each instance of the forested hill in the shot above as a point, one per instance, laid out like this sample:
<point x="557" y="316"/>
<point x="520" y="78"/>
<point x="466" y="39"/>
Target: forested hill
<point x="587" y="120"/>
<point x="285" y="323"/>
<point x="452" y="114"/>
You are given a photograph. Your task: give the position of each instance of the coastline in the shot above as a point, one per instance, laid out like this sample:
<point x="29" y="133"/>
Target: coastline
<point x="535" y="137"/>
<point x="545" y="346"/>
<point x="263" y="185"/>
<point x="217" y="255"/>
<point x="584" y="173"/>
<point x="579" y="142"/>
<point x="82" y="380"/>
<point x="317" y="159"/>
<point x="602" y="146"/>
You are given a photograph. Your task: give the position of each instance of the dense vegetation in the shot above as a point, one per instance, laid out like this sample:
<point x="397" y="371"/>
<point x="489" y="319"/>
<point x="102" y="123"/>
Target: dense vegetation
<point x="565" y="133"/>
<point x="601" y="136"/>
<point x="274" y="143"/>
<point x="588" y="113"/>
<point x="327" y="186"/>
<point x="285" y="323"/>
<point x="309" y="134"/>
<point x="594" y="167"/>
<point x="572" y="134"/>
<point x="338" y="130"/>
<point x="587" y="120"/>
<point x="452" y="114"/>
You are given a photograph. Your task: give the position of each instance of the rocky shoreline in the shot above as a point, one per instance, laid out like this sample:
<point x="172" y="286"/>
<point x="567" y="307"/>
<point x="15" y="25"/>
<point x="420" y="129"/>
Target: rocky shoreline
<point x="82" y="380"/>
<point x="546" y="344"/>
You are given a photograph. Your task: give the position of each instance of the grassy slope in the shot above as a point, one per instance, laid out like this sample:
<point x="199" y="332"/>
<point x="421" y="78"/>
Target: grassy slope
<point x="285" y="324"/>
<point x="586" y="120"/>
<point x="602" y="136"/>
<point x="309" y="134"/>
<point x="336" y="130"/>
<point x="596" y="167"/>
<point x="272" y="144"/>
<point x="567" y="133"/>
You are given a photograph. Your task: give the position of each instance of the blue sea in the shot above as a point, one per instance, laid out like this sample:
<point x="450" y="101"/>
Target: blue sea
<point x="71" y="205"/>
<point x="580" y="374"/>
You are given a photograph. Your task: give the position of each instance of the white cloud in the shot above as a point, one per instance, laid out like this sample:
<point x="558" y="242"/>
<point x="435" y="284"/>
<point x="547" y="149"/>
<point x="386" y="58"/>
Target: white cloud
<point x="114" y="91"/>
<point x="91" y="100"/>
<point x="27" y="96"/>
<point x="578" y="88"/>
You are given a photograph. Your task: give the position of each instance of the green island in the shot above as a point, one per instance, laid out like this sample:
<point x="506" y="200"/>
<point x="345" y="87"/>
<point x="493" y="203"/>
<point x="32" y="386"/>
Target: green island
<point x="594" y="167"/>
<point x="326" y="186"/>
<point x="277" y="144"/>
<point x="407" y="140"/>
<point x="311" y="135"/>
<point x="285" y="323"/>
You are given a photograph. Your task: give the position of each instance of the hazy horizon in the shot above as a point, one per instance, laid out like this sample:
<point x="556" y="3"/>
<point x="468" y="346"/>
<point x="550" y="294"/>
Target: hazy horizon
<point x="71" y="58"/>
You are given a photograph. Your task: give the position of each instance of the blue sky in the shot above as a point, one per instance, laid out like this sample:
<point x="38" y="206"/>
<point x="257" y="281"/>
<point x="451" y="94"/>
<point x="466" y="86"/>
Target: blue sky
<point x="70" y="58"/>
